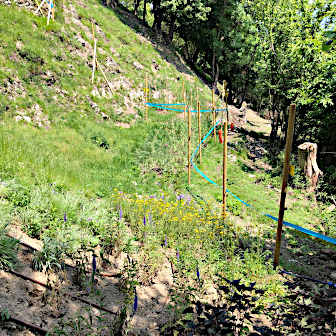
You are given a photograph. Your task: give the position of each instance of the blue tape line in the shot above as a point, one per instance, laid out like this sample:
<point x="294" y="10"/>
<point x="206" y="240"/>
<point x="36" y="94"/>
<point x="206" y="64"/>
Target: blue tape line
<point x="306" y="231"/>
<point x="52" y="5"/>
<point x="291" y="225"/>
<point x="168" y="104"/>
<point x="166" y="108"/>
<point x="157" y="105"/>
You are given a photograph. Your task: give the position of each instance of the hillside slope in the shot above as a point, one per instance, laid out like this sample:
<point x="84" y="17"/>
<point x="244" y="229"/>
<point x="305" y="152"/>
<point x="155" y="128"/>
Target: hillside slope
<point x="82" y="172"/>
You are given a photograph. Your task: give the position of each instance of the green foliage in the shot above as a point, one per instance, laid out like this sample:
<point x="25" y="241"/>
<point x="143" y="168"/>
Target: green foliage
<point x="8" y="249"/>
<point x="51" y="257"/>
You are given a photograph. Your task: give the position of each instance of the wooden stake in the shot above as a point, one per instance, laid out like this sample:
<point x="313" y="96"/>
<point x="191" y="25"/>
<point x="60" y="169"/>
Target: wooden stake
<point x="224" y="168"/>
<point x="53" y="11"/>
<point x="191" y="98"/>
<point x="185" y="104"/>
<point x="146" y="97"/>
<point x="183" y="96"/>
<point x="102" y="71"/>
<point x="199" y="130"/>
<point x="49" y="13"/>
<point x="189" y="145"/>
<point x="213" y="113"/>
<point x="285" y="173"/>
<point x="94" y="60"/>
<point x="39" y="7"/>
<point x="94" y="54"/>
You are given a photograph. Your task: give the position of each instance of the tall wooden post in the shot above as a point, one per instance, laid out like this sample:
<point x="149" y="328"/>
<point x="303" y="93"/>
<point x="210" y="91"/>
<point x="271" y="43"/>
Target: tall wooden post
<point x="183" y="93"/>
<point x="191" y="98"/>
<point x="49" y="12"/>
<point x="94" y="54"/>
<point x="224" y="168"/>
<point x="189" y="145"/>
<point x="199" y="130"/>
<point x="53" y="11"/>
<point x="285" y="173"/>
<point x="185" y="104"/>
<point x="146" y="97"/>
<point x="213" y="113"/>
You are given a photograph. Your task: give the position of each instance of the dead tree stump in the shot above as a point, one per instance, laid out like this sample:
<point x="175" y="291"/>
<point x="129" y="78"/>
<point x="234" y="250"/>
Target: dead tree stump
<point x="307" y="161"/>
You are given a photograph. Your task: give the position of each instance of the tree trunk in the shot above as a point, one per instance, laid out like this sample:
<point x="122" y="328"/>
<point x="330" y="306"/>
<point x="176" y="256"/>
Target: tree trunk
<point x="158" y="16"/>
<point x="144" y="12"/>
<point x="136" y="6"/>
<point x="195" y="56"/>
<point x="213" y="63"/>
<point x="216" y="76"/>
<point x="171" y="29"/>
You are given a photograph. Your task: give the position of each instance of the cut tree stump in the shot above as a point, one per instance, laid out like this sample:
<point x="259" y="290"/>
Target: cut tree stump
<point x="307" y="161"/>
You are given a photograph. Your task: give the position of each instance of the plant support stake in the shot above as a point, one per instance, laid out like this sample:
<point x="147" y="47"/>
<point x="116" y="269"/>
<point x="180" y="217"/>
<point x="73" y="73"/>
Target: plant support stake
<point x="94" y="54"/>
<point x="185" y="105"/>
<point x="199" y="130"/>
<point x="189" y="145"/>
<point x="146" y="97"/>
<point x="49" y="12"/>
<point x="213" y="113"/>
<point x="285" y="173"/>
<point x="224" y="168"/>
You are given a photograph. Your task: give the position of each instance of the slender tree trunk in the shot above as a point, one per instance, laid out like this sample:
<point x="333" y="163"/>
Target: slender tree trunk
<point x="144" y="12"/>
<point x="213" y="66"/>
<point x="158" y="16"/>
<point x="171" y="29"/>
<point x="195" y="56"/>
<point x="136" y="6"/>
<point x="216" y="76"/>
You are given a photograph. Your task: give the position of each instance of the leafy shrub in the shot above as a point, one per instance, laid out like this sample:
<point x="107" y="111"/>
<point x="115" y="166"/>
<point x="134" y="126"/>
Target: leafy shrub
<point x="51" y="257"/>
<point x="8" y="249"/>
<point x="17" y="194"/>
<point x="100" y="141"/>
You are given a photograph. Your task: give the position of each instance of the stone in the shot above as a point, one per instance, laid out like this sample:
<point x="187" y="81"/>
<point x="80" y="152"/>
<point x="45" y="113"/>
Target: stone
<point x="137" y="65"/>
<point x="27" y="119"/>
<point x="333" y="276"/>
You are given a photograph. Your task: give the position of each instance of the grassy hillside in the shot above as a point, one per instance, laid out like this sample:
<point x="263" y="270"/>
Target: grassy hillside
<point x="82" y="170"/>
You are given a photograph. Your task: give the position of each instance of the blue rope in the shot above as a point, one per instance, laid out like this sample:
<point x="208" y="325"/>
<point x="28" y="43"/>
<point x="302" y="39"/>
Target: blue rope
<point x="162" y="106"/>
<point x="166" y="108"/>
<point x="293" y="226"/>
<point x="168" y="104"/>
<point x="329" y="283"/>
<point x="52" y="5"/>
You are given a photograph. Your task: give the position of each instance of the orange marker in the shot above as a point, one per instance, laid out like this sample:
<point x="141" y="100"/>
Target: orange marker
<point x="220" y="135"/>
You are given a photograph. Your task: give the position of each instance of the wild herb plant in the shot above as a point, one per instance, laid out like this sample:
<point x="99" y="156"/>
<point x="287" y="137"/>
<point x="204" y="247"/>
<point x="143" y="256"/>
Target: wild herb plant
<point x="8" y="249"/>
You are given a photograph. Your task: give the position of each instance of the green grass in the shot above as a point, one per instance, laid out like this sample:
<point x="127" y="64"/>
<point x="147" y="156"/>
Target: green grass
<point x="87" y="168"/>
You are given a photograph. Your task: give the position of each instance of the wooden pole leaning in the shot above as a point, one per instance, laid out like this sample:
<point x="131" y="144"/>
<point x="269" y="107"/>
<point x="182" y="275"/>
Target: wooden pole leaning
<point x="285" y="173"/>
<point x="107" y="81"/>
<point x="94" y="54"/>
<point x="39" y="7"/>
<point x="199" y="130"/>
<point x="189" y="145"/>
